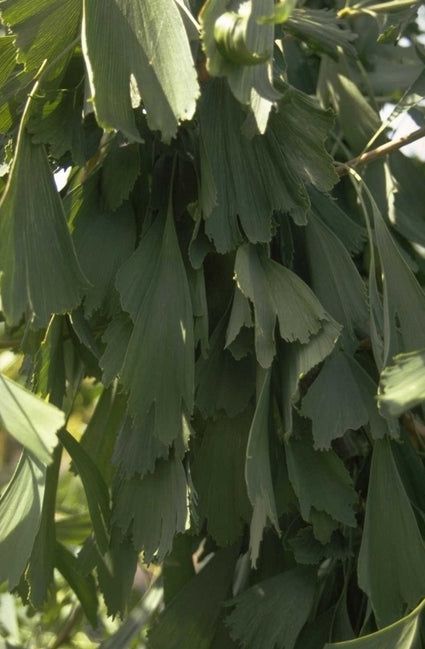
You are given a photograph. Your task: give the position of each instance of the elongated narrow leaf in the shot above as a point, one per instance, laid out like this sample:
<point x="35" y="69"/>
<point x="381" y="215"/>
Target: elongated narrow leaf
<point x="218" y="474"/>
<point x="272" y="613"/>
<point x="155" y="508"/>
<point x="335" y="279"/>
<point x="35" y="242"/>
<point x="403" y="634"/>
<point x="95" y="489"/>
<point x="277" y="293"/>
<point x="202" y="596"/>
<point x="321" y="30"/>
<point x="139" y="51"/>
<point x="389" y="515"/>
<point x="20" y="513"/>
<point x="402" y="384"/>
<point x="82" y="585"/>
<point x="320" y="480"/>
<point x="158" y="367"/>
<point x="257" y="470"/>
<point x="33" y="422"/>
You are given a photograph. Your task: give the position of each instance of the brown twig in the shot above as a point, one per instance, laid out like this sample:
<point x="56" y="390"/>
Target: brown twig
<point x="375" y="154"/>
<point x="66" y="631"/>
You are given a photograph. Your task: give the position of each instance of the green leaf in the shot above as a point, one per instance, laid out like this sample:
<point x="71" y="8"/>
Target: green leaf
<point x="44" y="30"/>
<point x="254" y="177"/>
<point x="99" y="235"/>
<point x="202" y="596"/>
<point x="223" y="383"/>
<point x="409" y="186"/>
<point x="341" y="398"/>
<point x="49" y="374"/>
<point x="137" y="449"/>
<point x="241" y="50"/>
<point x="282" y="11"/>
<point x="95" y="488"/>
<point x="276" y="293"/>
<point x="403" y="634"/>
<point x="116" y="336"/>
<point x="82" y="585"/>
<point x="321" y="30"/>
<point x="389" y="516"/>
<point x="257" y="469"/>
<point x="116" y="571"/>
<point x="33" y="422"/>
<point x="296" y="360"/>
<point x="162" y="338"/>
<point x="153" y="507"/>
<point x="119" y="173"/>
<point x="320" y="481"/>
<point x="335" y="279"/>
<point x="20" y="514"/>
<point x="402" y="384"/>
<point x="218" y="474"/>
<point x="7" y="58"/>
<point x="141" y="52"/>
<point x="273" y="612"/>
<point x="35" y="242"/>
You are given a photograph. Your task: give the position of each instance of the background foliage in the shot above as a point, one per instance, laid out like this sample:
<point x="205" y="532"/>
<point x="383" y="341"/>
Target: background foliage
<point x="215" y="329"/>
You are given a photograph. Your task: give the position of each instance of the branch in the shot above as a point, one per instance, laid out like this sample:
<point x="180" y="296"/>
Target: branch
<point x="375" y="154"/>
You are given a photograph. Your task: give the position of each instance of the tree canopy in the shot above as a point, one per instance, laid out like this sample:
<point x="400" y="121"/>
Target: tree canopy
<point x="226" y="292"/>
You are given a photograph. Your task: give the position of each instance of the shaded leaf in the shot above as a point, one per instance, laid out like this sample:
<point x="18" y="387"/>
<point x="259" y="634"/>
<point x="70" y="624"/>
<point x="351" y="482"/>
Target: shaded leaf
<point x="277" y="293"/>
<point x="147" y="58"/>
<point x="33" y="422"/>
<point x="342" y="397"/>
<point x="136" y="448"/>
<point x="320" y="481"/>
<point x="218" y="474"/>
<point x="321" y="30"/>
<point x="389" y="515"/>
<point x="35" y="242"/>
<point x="402" y="384"/>
<point x="82" y="585"/>
<point x="20" y="514"/>
<point x="116" y="336"/>
<point x="95" y="489"/>
<point x="258" y="471"/>
<point x="272" y="613"/>
<point x="158" y="367"/>
<point x="202" y="596"/>
<point x="153" y="508"/>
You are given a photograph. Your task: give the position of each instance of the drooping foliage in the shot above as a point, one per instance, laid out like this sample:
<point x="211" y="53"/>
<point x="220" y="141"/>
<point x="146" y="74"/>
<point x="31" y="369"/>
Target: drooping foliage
<point x="234" y="267"/>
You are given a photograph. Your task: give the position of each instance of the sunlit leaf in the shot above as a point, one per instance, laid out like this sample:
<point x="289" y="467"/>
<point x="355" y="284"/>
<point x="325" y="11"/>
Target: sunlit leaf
<point x="402" y="384"/>
<point x="35" y="242"/>
<point x="389" y="516"/>
<point x="20" y="514"/>
<point x="139" y="52"/>
<point x="272" y="613"/>
<point x="33" y="422"/>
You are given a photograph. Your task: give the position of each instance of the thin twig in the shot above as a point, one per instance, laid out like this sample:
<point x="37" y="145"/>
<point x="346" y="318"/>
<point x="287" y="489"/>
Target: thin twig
<point x="375" y="154"/>
<point x="65" y="632"/>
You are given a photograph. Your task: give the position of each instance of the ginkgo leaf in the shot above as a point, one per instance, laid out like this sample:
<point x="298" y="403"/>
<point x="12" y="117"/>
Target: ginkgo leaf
<point x="35" y="242"/>
<point x="389" y="515"/>
<point x="272" y="613"/>
<point x="402" y="384"/>
<point x="20" y="514"/>
<point x="320" y="481"/>
<point x="403" y="634"/>
<point x="202" y="596"/>
<point x="276" y="293"/>
<point x="153" y="507"/>
<point x="239" y="48"/>
<point x="33" y="422"/>
<point x="147" y="59"/>
<point x="158" y="367"/>
<point x="254" y="177"/>
<point x="218" y="474"/>
<point x="321" y="30"/>
<point x="258" y="470"/>
<point x="44" y="30"/>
